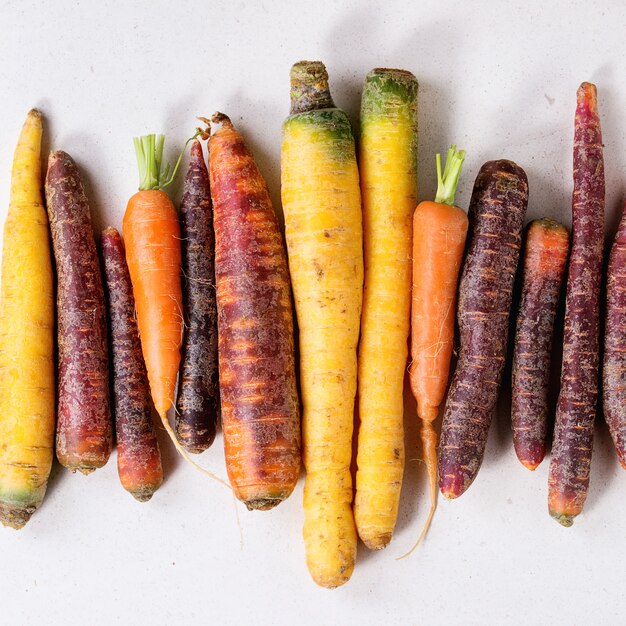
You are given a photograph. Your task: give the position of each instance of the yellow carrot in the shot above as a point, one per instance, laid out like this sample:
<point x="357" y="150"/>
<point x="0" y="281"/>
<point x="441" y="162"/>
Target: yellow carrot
<point x="388" y="169"/>
<point x="322" y="205"/>
<point x="27" y="385"/>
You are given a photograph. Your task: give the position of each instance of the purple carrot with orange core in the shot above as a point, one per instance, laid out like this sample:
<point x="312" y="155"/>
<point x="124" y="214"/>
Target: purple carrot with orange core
<point x="547" y="246"/>
<point x="568" y="480"/>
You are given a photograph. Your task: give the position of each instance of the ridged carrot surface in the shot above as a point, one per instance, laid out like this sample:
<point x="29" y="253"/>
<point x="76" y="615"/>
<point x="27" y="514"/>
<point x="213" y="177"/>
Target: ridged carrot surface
<point x="322" y="206"/>
<point x="27" y="381"/>
<point x="388" y="171"/>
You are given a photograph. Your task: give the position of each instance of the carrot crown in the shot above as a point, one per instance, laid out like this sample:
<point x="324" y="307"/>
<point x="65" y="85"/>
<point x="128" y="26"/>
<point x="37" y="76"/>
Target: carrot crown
<point x="448" y="181"/>
<point x="309" y="87"/>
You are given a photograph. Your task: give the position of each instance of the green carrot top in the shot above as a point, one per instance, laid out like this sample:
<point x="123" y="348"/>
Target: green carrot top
<point x="448" y="181"/>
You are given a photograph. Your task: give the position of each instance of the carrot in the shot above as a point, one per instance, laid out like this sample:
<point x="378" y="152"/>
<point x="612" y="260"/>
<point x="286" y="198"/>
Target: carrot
<point x="568" y="479"/>
<point x="547" y="247"/>
<point x="614" y="365"/>
<point x="26" y="338"/>
<point x="138" y="455"/>
<point x="439" y="232"/>
<point x="198" y="393"/>
<point x="322" y="205"/>
<point x="260" y="412"/>
<point x="388" y="169"/>
<point x="84" y="428"/>
<point x="496" y="213"/>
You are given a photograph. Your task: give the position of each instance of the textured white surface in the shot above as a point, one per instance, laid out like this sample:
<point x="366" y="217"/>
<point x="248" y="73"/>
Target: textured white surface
<point x="499" y="80"/>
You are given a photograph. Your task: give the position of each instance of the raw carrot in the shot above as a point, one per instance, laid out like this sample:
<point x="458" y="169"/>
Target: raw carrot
<point x="439" y="232"/>
<point x="496" y="213"/>
<point x="84" y="428"/>
<point x="614" y="365"/>
<point x="388" y="170"/>
<point x="198" y="393"/>
<point x="547" y="247"/>
<point x="568" y="479"/>
<point x="322" y="205"/>
<point x="260" y="412"/>
<point x="27" y="382"/>
<point x="138" y="456"/>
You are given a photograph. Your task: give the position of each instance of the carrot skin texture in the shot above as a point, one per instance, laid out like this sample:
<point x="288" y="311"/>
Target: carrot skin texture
<point x="198" y="393"/>
<point x="152" y="236"/>
<point x="568" y="479"/>
<point x="260" y="409"/>
<point x="138" y="455"/>
<point x="84" y="428"/>
<point x="614" y="366"/>
<point x="496" y="214"/>
<point x="547" y="247"/>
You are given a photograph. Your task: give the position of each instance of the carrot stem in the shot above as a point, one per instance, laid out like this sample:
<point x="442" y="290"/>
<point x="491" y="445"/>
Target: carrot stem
<point x="448" y="181"/>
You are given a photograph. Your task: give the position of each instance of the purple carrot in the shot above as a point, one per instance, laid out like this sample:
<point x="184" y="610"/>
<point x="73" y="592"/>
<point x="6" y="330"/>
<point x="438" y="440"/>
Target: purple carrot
<point x="138" y="455"/>
<point x="614" y="367"/>
<point x="497" y="211"/>
<point x="568" y="480"/>
<point x="84" y="429"/>
<point x="198" y="396"/>
<point x="547" y="246"/>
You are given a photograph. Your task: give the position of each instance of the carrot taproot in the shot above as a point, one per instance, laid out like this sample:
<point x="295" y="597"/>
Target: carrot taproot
<point x="260" y="408"/>
<point x="388" y="170"/>
<point x="570" y="463"/>
<point x="614" y="364"/>
<point x="138" y="455"/>
<point x="547" y="247"/>
<point x="497" y="210"/>
<point x="439" y="232"/>
<point x="323" y="225"/>
<point x="84" y="430"/>
<point x="198" y="394"/>
<point x="27" y="382"/>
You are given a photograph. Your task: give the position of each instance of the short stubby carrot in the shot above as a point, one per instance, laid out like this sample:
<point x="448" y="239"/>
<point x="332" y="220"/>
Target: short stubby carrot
<point x="324" y="232"/>
<point x="138" y="456"/>
<point x="547" y="247"/>
<point x="84" y="430"/>
<point x="198" y="387"/>
<point x="27" y="382"/>
<point x="388" y="170"/>
<point x="570" y="463"/>
<point x="496" y="215"/>
<point x="260" y="407"/>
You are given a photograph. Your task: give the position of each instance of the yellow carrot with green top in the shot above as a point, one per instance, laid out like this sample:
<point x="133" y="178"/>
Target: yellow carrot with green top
<point x="27" y="384"/>
<point x="322" y="206"/>
<point x="388" y="170"/>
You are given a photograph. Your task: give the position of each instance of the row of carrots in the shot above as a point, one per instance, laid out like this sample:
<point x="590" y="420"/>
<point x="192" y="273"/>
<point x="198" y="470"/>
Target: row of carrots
<point x="367" y="269"/>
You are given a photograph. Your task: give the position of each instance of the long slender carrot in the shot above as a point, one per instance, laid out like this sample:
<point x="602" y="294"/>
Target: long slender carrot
<point x="138" y="456"/>
<point x="84" y="428"/>
<point x="388" y="169"/>
<point x="198" y="394"/>
<point x="439" y="232"/>
<point x="497" y="211"/>
<point x="547" y="247"/>
<point x="568" y="479"/>
<point x="322" y="205"/>
<point x="260" y="409"/>
<point x="27" y="382"/>
<point x="614" y="365"/>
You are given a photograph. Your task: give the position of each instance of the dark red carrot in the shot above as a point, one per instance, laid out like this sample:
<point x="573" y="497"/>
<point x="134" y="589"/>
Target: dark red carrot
<point x="568" y="479"/>
<point x="198" y="393"/>
<point x="547" y="246"/>
<point x="84" y="429"/>
<point x="138" y="455"/>
<point x="614" y="366"/>
<point x="497" y="211"/>
<point x="260" y="411"/>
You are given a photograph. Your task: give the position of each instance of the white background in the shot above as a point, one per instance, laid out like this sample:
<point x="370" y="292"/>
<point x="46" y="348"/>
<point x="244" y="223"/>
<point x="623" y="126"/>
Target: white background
<point x="498" y="78"/>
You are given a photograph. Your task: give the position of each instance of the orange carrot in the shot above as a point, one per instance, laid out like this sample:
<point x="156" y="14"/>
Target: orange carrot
<point x="439" y="231"/>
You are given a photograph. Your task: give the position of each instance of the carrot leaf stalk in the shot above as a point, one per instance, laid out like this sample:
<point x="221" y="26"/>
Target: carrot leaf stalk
<point x="448" y="181"/>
